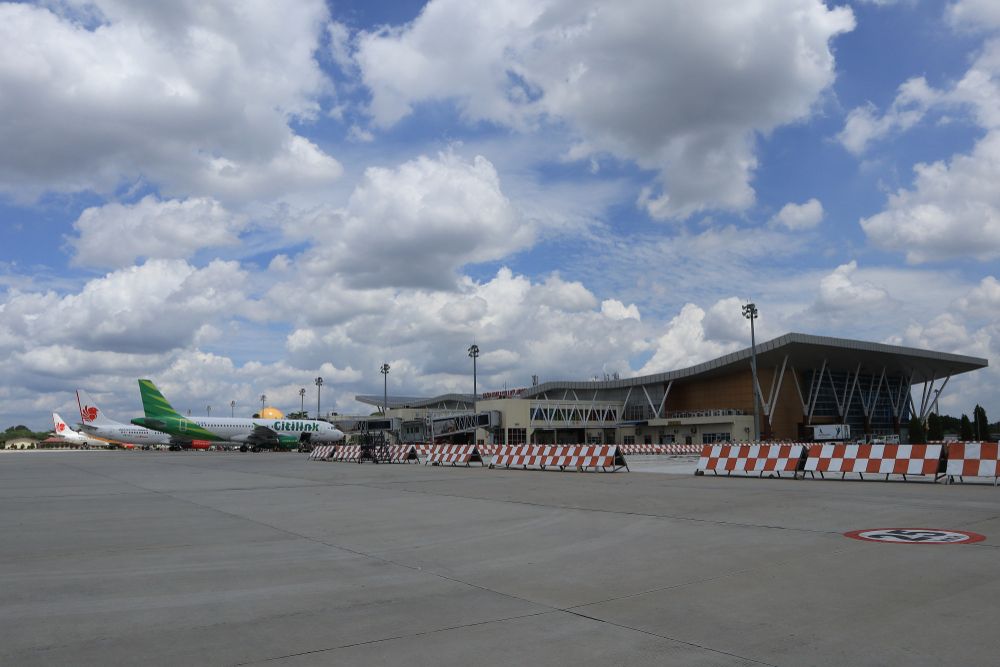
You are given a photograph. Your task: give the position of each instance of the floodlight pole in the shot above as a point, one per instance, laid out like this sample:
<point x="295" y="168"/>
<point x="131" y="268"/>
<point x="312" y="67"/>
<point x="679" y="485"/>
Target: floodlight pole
<point x="302" y="401"/>
<point x="319" y="385"/>
<point x="384" y="370"/>
<point x="474" y="353"/>
<point x="750" y="312"/>
<point x="232" y="408"/>
<point x="263" y="397"/>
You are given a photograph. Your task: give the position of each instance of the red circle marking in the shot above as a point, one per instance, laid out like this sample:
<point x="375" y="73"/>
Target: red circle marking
<point x="915" y="536"/>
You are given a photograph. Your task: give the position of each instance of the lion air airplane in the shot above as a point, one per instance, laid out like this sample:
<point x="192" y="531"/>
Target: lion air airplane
<point x="66" y="433"/>
<point x="97" y="423"/>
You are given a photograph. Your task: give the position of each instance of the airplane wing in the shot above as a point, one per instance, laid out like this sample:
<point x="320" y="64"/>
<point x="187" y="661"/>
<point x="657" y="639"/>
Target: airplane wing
<point x="263" y="436"/>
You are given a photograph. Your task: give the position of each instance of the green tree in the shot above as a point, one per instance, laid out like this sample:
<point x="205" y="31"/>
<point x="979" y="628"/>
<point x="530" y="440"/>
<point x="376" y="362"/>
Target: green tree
<point x="917" y="430"/>
<point x="965" y="432"/>
<point x="935" y="427"/>
<point x="981" y="423"/>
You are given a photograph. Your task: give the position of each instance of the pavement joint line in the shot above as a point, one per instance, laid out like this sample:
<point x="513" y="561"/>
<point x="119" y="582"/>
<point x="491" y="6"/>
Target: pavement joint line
<point x="672" y="639"/>
<point x="704" y="580"/>
<point x="316" y="540"/>
<point x="395" y="637"/>
<point x="550" y="608"/>
<point x="578" y="508"/>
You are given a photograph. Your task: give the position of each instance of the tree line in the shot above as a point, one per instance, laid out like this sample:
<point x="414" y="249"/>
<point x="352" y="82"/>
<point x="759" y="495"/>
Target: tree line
<point x="977" y="428"/>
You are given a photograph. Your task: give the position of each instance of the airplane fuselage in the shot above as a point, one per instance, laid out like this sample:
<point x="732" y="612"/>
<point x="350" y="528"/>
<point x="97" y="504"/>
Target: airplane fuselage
<point x="128" y="433"/>
<point x="287" y="433"/>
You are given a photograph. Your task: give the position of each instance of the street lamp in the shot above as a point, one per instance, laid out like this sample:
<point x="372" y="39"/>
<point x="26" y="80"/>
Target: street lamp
<point x="319" y="385"/>
<point x="232" y="408"/>
<point x="302" y="401"/>
<point x="750" y="312"/>
<point x="384" y="370"/>
<point x="474" y="353"/>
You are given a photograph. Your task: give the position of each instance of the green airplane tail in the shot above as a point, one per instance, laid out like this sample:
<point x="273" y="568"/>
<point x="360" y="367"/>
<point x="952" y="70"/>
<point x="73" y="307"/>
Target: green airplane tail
<point x="153" y="402"/>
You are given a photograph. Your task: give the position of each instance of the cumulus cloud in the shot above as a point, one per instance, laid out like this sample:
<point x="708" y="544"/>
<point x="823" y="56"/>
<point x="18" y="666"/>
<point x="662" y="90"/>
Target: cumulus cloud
<point x="698" y="89"/>
<point x="617" y="310"/>
<point x="522" y="328"/>
<point x="952" y="210"/>
<point x="415" y="225"/>
<point x="978" y="91"/>
<point x="844" y="290"/>
<point x="974" y="14"/>
<point x="864" y="125"/>
<point x="197" y="96"/>
<point x="685" y="343"/>
<point x="724" y="322"/>
<point x="152" y="308"/>
<point x="983" y="299"/>
<point x="116" y="235"/>
<point x="799" y="216"/>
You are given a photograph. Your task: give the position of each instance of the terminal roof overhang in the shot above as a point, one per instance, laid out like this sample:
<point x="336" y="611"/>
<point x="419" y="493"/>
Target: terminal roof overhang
<point x="804" y="352"/>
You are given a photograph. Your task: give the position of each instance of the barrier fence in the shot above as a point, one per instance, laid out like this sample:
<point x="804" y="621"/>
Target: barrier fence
<point x="606" y="458"/>
<point x="322" y="453"/>
<point x="352" y="453"/>
<point x="425" y="448"/>
<point x="888" y="459"/>
<point x="753" y="459"/>
<point x="955" y="460"/>
<point x="973" y="459"/>
<point x="454" y="455"/>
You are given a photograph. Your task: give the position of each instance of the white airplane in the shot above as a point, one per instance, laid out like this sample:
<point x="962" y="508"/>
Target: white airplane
<point x="96" y="423"/>
<point x="66" y="433"/>
<point x="250" y="433"/>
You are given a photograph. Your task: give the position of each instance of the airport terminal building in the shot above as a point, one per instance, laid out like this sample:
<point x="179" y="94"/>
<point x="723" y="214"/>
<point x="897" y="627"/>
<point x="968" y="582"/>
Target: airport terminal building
<point x="804" y="381"/>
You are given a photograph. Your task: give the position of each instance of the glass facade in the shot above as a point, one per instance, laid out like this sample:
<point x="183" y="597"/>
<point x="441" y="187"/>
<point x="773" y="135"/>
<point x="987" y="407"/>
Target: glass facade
<point x="836" y="386"/>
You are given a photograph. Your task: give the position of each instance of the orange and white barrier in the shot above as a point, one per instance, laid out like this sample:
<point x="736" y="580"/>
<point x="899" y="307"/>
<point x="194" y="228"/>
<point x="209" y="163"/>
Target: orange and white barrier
<point x="454" y="455"/>
<point x="680" y="449"/>
<point x="752" y="459"/>
<point x="578" y="457"/>
<point x="322" y="453"/>
<point x="403" y="454"/>
<point x="346" y="453"/>
<point x="640" y="449"/>
<point x="668" y="449"/>
<point x="973" y="459"/>
<point x="880" y="459"/>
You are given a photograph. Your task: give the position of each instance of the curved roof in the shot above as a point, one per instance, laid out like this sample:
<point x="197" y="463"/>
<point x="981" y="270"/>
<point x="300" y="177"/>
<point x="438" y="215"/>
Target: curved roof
<point x="397" y="402"/>
<point x="803" y="351"/>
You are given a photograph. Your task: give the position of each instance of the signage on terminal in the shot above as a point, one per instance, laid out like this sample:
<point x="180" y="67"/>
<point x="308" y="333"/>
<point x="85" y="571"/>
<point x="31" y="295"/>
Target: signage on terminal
<point x="504" y="393"/>
<point x="915" y="536"/>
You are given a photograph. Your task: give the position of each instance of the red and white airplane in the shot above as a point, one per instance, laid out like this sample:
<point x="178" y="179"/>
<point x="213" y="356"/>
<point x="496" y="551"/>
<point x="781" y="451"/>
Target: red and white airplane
<point x="62" y="430"/>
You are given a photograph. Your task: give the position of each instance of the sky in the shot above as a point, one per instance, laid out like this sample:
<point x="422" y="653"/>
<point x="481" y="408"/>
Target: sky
<point x="234" y="199"/>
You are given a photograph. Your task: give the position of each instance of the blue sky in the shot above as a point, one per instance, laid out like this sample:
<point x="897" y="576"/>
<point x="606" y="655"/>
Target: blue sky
<point x="232" y="202"/>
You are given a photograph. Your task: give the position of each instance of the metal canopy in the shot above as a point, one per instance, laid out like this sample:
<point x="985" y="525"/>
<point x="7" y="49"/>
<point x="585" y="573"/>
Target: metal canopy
<point x="801" y="350"/>
<point x="804" y="351"/>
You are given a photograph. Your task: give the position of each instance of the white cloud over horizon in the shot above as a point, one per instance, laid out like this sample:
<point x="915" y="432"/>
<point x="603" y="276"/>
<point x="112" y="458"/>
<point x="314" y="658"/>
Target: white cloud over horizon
<point x="235" y="201"/>
<point x="694" y="111"/>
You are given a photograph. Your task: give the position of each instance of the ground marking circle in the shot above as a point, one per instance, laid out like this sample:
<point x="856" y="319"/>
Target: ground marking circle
<point x="915" y="536"/>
